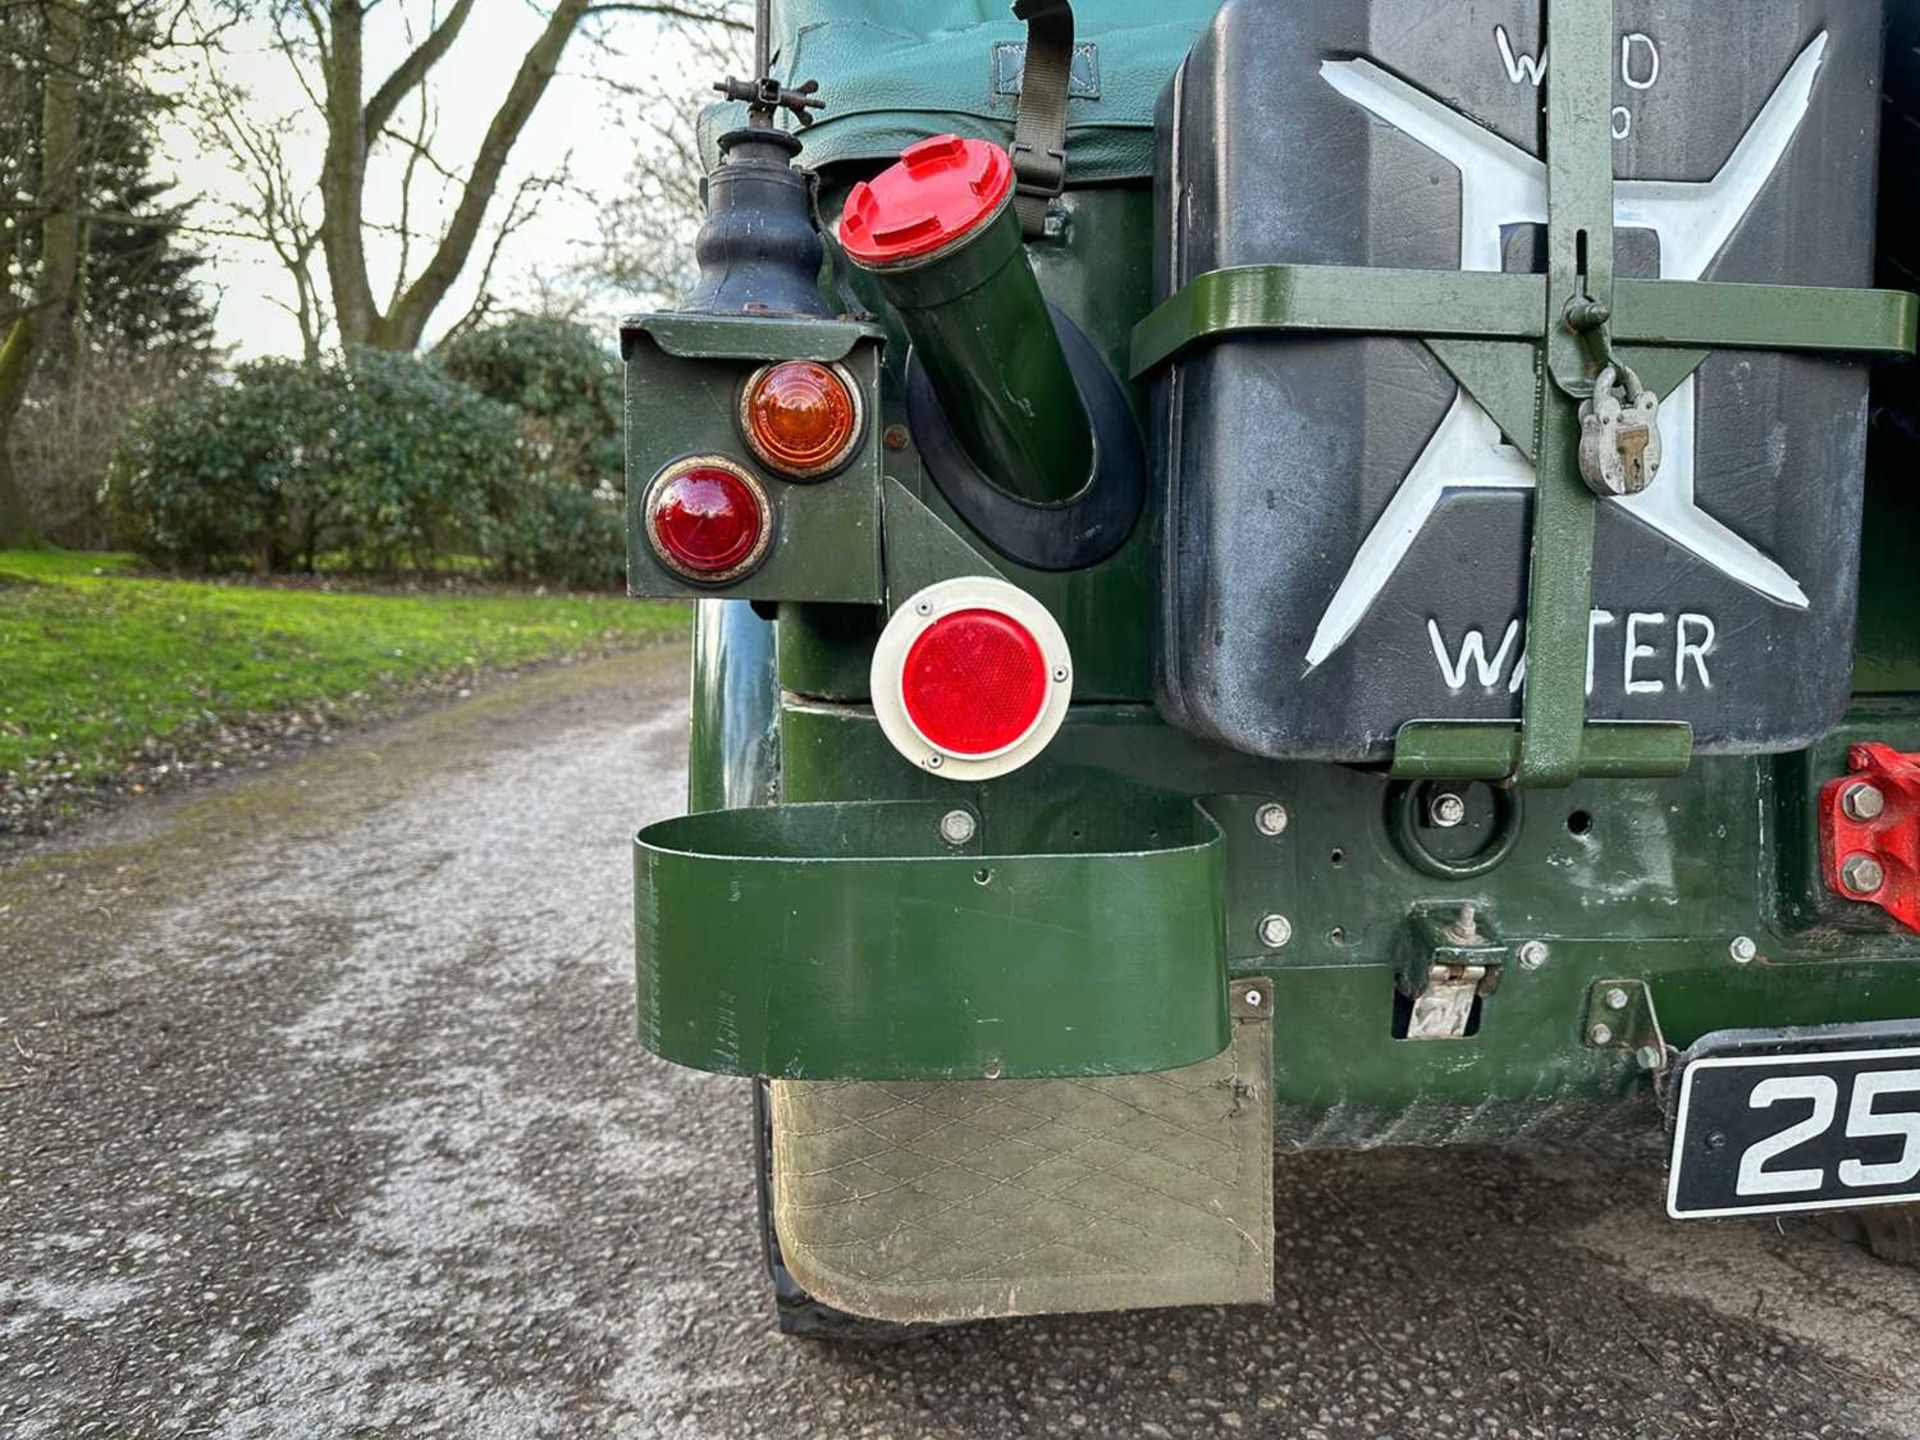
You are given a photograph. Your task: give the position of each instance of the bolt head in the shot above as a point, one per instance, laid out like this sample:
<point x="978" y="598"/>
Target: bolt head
<point x="1649" y="1056"/>
<point x="1600" y="1035"/>
<point x="1616" y="998"/>
<point x="1447" y="810"/>
<point x="957" y="826"/>
<point x="1743" y="949"/>
<point x="1270" y="819"/>
<point x="1862" y="874"/>
<point x="1862" y="801"/>
<point x="1534" y="954"/>
<point x="1275" y="931"/>
<point x="992" y="1070"/>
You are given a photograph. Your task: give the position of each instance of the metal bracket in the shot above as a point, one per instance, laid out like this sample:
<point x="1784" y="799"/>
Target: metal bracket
<point x="1448" y="958"/>
<point x="1870" y="831"/>
<point x="1620" y="1016"/>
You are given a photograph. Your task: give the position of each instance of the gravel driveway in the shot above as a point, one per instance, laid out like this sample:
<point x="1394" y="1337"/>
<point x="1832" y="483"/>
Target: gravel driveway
<point x="320" y="1115"/>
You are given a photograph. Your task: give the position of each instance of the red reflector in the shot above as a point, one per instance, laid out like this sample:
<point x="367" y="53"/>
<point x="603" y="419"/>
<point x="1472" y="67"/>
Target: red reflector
<point x="707" y="522"/>
<point x="800" y="418"/>
<point x="974" y="682"/>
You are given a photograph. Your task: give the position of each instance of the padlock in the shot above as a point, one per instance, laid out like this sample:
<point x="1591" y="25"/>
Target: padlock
<point x="1619" y="434"/>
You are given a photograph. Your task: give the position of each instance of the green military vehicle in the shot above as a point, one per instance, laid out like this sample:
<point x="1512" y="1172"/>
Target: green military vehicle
<point x="1283" y="574"/>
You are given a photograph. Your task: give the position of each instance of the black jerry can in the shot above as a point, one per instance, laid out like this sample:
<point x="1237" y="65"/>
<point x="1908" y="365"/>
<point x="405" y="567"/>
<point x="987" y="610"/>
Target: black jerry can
<point x="1343" y="535"/>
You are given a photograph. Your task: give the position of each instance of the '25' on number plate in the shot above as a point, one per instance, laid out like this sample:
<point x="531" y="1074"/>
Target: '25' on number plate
<point x="1820" y="1128"/>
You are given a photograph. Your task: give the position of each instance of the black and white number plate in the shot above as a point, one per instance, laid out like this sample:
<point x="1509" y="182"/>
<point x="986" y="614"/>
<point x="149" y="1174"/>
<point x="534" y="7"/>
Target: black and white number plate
<point x="1825" y="1118"/>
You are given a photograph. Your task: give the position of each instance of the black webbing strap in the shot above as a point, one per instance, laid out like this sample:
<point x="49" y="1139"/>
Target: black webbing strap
<point x="1040" y="129"/>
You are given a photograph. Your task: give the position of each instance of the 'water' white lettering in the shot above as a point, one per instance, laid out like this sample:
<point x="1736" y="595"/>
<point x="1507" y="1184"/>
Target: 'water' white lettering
<point x="1643" y="658"/>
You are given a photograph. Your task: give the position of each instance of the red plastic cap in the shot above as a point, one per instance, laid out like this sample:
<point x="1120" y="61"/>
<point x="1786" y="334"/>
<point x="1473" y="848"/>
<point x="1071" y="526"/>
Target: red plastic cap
<point x="940" y="191"/>
<point x="975" y="682"/>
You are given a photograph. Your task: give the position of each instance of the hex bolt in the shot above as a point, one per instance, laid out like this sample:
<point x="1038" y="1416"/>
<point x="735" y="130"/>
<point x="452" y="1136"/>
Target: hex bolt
<point x="1600" y="1035"/>
<point x="1447" y="810"/>
<point x="1271" y="819"/>
<point x="1534" y="954"/>
<point x="1275" y="931"/>
<point x="1649" y="1056"/>
<point x="1616" y="999"/>
<point x="1862" y="801"/>
<point x="957" y="826"/>
<point x="1862" y="874"/>
<point x="1742" y="949"/>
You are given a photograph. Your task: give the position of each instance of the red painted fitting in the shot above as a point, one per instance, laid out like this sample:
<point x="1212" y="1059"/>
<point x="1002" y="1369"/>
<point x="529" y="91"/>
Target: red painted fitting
<point x="1870" y="831"/>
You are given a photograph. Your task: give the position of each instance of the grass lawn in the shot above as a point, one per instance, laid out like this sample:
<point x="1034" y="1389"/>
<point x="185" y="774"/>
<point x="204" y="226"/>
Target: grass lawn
<point x="96" y="657"/>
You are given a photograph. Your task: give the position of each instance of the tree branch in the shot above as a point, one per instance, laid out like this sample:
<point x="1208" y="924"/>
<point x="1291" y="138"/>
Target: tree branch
<point x="412" y="70"/>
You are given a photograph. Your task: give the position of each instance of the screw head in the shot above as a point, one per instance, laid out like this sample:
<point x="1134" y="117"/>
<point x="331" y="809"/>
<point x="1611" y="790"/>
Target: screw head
<point x="934" y="762"/>
<point x="957" y="826"/>
<point x="1649" y="1056"/>
<point x="1447" y="810"/>
<point x="1616" y="998"/>
<point x="894" y="437"/>
<point x="1743" y="949"/>
<point x="1862" y="801"/>
<point x="1275" y="931"/>
<point x="1059" y="674"/>
<point x="925" y="607"/>
<point x="1270" y="819"/>
<point x="1256" y="998"/>
<point x="1600" y="1035"/>
<point x="1534" y="954"/>
<point x="1862" y="874"/>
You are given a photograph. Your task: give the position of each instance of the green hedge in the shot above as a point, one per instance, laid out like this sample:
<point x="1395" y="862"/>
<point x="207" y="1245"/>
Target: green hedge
<point x="384" y="463"/>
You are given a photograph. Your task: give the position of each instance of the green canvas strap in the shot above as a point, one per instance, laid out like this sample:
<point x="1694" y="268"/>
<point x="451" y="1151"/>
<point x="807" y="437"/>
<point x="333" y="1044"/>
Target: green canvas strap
<point x="1040" y="128"/>
<point x="1526" y="348"/>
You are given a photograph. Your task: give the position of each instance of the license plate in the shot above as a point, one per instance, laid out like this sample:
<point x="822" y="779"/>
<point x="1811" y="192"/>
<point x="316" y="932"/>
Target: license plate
<point x="1769" y="1122"/>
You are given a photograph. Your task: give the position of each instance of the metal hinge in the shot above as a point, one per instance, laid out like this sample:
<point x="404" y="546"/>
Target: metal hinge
<point x="1441" y="1011"/>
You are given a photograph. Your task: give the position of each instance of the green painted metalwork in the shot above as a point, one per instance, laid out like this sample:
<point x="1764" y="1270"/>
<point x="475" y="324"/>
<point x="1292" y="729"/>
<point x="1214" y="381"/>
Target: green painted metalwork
<point x="1641" y="878"/>
<point x="1353" y="298"/>
<point x="1553" y="703"/>
<point x="1450" y="304"/>
<point x="685" y="375"/>
<point x="921" y="548"/>
<point x="979" y="327"/>
<point x="852" y="941"/>
<point x="1099" y="271"/>
<point x="1490" y="750"/>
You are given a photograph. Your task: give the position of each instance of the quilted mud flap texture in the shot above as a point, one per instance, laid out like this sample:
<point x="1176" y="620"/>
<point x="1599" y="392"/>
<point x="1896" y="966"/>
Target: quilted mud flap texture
<point x="970" y="1199"/>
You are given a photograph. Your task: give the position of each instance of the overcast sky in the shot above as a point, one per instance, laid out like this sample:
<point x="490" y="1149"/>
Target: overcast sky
<point x="577" y="119"/>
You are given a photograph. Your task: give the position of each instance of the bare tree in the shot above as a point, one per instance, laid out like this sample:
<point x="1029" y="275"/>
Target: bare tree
<point x="49" y="301"/>
<point x="324" y="42"/>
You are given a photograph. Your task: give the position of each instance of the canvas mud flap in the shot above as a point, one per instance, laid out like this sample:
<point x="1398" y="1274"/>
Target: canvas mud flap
<point x="920" y="1201"/>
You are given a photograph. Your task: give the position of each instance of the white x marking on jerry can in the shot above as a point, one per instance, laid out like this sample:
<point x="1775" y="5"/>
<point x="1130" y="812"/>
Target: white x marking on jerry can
<point x="1500" y="185"/>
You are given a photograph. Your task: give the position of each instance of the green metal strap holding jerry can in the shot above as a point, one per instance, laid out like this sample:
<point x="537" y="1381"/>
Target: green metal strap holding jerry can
<point x="1529" y="348"/>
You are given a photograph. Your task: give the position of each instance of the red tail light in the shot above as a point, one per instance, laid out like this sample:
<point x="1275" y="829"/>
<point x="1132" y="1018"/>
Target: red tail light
<point x="708" y="519"/>
<point x="971" y="678"/>
<point x="800" y="418"/>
